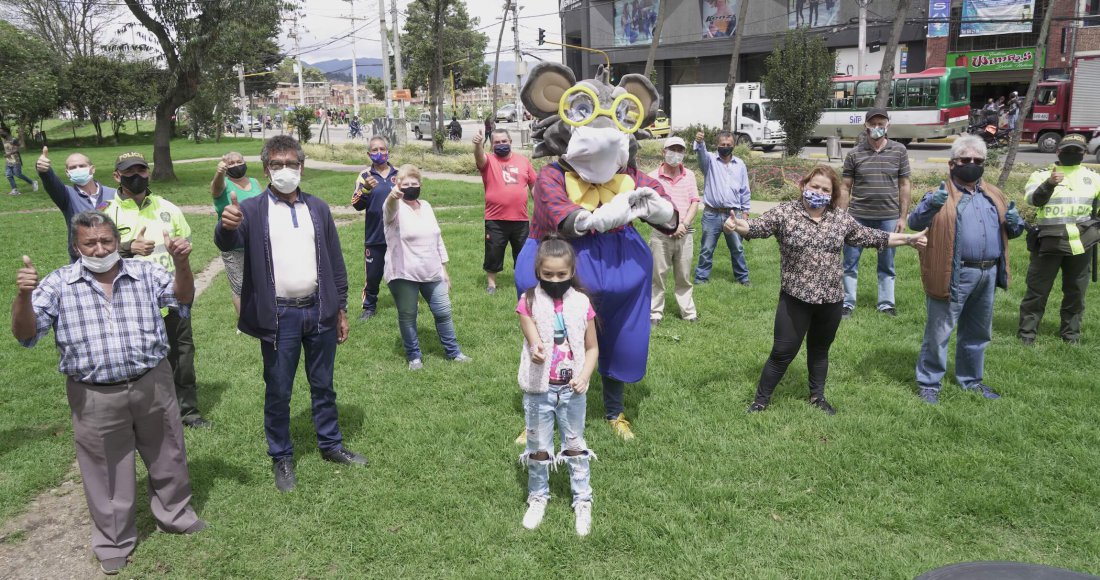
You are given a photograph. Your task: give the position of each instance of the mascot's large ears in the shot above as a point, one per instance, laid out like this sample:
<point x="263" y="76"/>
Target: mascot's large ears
<point x="640" y="86"/>
<point x="545" y="85"/>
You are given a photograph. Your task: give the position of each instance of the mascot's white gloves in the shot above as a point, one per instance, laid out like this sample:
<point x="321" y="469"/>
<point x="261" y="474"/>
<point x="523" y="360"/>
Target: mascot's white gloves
<point x="647" y="204"/>
<point x="606" y="217"/>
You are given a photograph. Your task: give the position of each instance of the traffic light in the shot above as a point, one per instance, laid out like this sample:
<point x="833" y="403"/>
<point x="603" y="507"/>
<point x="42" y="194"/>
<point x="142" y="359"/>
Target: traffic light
<point x="542" y="36"/>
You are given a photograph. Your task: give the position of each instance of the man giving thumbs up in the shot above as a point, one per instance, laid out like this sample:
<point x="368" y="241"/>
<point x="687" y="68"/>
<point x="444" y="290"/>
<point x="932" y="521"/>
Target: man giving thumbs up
<point x="84" y="193"/>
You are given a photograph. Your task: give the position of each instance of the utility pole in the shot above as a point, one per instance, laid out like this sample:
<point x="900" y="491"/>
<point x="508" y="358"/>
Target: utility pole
<point x="519" y="69"/>
<point x="398" y="69"/>
<point x="863" y="34"/>
<point x="385" y="58"/>
<point x="735" y="58"/>
<point x="298" y="60"/>
<point x="354" y="65"/>
<point x="496" y="62"/>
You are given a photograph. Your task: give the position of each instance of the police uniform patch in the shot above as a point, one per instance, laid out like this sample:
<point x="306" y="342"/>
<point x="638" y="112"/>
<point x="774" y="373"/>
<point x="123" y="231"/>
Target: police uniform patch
<point x="165" y="217"/>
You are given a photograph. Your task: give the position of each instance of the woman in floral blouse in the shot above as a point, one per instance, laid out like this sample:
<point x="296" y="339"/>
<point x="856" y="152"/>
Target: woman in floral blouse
<point x="811" y="232"/>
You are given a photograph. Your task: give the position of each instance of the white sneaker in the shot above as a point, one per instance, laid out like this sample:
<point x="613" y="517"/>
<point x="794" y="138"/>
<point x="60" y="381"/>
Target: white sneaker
<point x="584" y="517"/>
<point x="14" y="192"/>
<point x="34" y="186"/>
<point x="416" y="364"/>
<point x="536" y="508"/>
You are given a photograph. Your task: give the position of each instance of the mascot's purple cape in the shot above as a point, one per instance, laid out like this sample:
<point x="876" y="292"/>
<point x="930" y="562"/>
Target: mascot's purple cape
<point x="573" y="200"/>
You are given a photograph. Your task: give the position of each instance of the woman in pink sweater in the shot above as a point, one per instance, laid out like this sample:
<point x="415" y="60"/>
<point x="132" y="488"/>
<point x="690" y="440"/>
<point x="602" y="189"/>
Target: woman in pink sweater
<point x="416" y="264"/>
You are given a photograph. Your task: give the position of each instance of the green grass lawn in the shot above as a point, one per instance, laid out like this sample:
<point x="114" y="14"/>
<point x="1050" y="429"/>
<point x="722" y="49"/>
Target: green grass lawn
<point x="887" y="488"/>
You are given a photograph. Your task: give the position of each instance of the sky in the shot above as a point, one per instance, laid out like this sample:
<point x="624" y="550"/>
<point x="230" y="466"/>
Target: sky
<point x="326" y="28"/>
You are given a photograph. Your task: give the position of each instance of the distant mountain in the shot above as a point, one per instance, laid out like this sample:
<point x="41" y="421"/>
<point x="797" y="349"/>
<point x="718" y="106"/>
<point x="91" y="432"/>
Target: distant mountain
<point x="340" y="68"/>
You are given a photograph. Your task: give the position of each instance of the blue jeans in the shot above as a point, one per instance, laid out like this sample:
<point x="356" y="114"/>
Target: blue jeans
<point x="298" y="327"/>
<point x="886" y="274"/>
<point x="13" y="171"/>
<point x="559" y="403"/>
<point x="971" y="307"/>
<point x="405" y="297"/>
<point x="712" y="228"/>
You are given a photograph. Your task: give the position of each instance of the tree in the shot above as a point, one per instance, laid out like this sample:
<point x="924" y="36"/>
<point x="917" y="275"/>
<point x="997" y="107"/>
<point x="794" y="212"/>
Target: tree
<point x="886" y="72"/>
<point x="438" y="33"/>
<point x="798" y="79"/>
<point x="137" y="83"/>
<point x="69" y="28"/>
<point x="661" y="11"/>
<point x="735" y="56"/>
<point x="196" y="36"/>
<point x="1029" y="99"/>
<point x="376" y="87"/>
<point x="31" y="82"/>
<point x="284" y="72"/>
<point x="301" y="117"/>
<point x="101" y="88"/>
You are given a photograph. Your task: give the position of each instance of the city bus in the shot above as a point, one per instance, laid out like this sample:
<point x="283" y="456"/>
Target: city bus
<point x="925" y="105"/>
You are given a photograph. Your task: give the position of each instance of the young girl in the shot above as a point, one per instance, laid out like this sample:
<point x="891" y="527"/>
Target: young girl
<point x="558" y="358"/>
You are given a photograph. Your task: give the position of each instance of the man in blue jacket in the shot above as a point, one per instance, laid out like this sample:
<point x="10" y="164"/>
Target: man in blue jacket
<point x="84" y="194"/>
<point x="294" y="293"/>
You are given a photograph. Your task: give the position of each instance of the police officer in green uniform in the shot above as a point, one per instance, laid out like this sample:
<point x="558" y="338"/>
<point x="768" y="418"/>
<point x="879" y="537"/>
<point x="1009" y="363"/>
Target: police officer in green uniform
<point x="1065" y="199"/>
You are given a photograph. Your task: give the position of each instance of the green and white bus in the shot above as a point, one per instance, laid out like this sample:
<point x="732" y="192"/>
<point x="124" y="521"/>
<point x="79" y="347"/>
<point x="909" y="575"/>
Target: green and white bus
<point x="925" y="105"/>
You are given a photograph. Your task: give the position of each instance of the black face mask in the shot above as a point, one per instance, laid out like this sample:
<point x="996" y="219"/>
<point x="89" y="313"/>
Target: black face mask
<point x="556" y="290"/>
<point x="1070" y="158"/>
<point x="135" y="184"/>
<point x="411" y="193"/>
<point x="237" y="171"/>
<point x="725" y="151"/>
<point x="969" y="173"/>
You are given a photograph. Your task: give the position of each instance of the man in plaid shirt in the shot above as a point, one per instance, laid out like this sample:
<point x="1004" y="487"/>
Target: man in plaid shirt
<point x="105" y="314"/>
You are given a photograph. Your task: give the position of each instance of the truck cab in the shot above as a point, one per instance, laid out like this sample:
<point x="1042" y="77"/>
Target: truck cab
<point x="750" y="119"/>
<point x="1045" y="124"/>
<point x="423" y="126"/>
<point x="1065" y="106"/>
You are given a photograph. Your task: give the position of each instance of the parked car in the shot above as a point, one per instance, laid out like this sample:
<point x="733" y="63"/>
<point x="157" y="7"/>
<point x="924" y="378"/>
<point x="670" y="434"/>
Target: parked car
<point x="507" y="113"/>
<point x="660" y="126"/>
<point x="423" y="126"/>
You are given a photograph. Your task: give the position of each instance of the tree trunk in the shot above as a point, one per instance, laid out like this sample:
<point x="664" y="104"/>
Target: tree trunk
<point x="162" y="143"/>
<point x="496" y="66"/>
<point x="727" y="104"/>
<point x="1029" y="100"/>
<point x="437" y="77"/>
<point x="661" y="9"/>
<point x="98" y="124"/>
<point x="886" y="72"/>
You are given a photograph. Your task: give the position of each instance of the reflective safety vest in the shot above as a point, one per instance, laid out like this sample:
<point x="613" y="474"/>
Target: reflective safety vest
<point x="1071" y="203"/>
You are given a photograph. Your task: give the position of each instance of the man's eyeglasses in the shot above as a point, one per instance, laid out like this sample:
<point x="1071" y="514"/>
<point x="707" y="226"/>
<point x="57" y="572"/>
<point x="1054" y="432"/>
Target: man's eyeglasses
<point x="969" y="160"/>
<point x="277" y="165"/>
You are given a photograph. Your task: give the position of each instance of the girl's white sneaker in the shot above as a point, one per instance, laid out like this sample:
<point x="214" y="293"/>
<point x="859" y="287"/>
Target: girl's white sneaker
<point x="583" y="510"/>
<point x="536" y="508"/>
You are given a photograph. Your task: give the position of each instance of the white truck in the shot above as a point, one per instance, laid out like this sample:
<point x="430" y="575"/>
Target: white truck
<point x="701" y="104"/>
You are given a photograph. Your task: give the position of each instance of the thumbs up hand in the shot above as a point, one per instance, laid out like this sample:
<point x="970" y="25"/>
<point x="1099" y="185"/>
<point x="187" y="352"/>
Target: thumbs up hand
<point x="538" y="354"/>
<point x="919" y="240"/>
<point x="27" y="277"/>
<point x="43" y="163"/>
<point x="1056" y="176"/>
<point x="939" y="197"/>
<point x="178" y="248"/>
<point x="141" y="246"/>
<point x="231" y="215"/>
<point x="479" y="139"/>
<point x="734" y="223"/>
<point x="1012" y="216"/>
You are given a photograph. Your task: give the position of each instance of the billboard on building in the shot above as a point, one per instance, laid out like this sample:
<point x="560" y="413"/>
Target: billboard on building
<point x="813" y="13"/>
<point x="939" y="11"/>
<point x="634" y="21"/>
<point x="993" y="60"/>
<point x="982" y="17"/>
<point x="719" y="18"/>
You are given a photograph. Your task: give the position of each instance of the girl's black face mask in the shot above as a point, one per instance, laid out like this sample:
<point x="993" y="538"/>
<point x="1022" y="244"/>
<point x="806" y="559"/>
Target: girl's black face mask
<point x="556" y="290"/>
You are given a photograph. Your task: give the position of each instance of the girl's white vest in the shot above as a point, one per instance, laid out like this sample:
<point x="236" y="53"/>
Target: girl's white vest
<point x="533" y="377"/>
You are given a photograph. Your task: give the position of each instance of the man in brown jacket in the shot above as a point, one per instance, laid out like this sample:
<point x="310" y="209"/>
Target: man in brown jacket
<point x="969" y="224"/>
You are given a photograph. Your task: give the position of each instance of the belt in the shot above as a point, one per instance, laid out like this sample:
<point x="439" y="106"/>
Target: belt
<point x="980" y="264"/>
<point x="302" y="302"/>
<point x="724" y="210"/>
<point x="122" y="382"/>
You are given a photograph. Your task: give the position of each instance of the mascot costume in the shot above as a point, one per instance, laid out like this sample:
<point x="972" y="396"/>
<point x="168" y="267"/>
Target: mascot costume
<point x="590" y="196"/>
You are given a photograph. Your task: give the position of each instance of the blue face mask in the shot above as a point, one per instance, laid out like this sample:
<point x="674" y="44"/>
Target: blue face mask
<point x="502" y="149"/>
<point x="814" y="199"/>
<point x="81" y="175"/>
<point x="379" y="158"/>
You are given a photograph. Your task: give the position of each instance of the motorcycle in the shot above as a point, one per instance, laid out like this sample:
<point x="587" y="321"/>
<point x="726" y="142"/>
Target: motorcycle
<point x="993" y="135"/>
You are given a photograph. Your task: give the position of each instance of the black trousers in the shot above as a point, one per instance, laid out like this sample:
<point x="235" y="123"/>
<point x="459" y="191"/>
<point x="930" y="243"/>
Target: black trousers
<point x="794" y="319"/>
<point x="1041" y="272"/>
<point x="498" y="234"/>
<point x="374" y="261"/>
<point x="181" y="357"/>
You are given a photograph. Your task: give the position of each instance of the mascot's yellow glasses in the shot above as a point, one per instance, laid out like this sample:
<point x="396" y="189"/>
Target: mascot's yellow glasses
<point x="579" y="106"/>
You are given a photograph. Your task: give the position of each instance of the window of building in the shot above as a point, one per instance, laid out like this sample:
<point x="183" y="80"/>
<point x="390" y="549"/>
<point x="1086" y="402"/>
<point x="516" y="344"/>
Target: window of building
<point x="958" y="43"/>
<point x="1092" y="8"/>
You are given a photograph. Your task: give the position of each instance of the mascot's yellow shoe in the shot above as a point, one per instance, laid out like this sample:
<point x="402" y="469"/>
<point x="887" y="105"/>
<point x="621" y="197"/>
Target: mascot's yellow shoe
<point x="621" y="427"/>
<point x="522" y="439"/>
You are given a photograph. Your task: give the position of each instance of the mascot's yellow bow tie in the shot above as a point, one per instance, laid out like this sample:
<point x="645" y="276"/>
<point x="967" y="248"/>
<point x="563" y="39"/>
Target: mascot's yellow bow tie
<point x="592" y="195"/>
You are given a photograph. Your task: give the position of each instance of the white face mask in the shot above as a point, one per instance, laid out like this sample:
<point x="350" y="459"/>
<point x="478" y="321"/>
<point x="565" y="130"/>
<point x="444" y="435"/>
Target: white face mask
<point x="99" y="265"/>
<point x="597" y="154"/>
<point x="286" y="180"/>
<point x="81" y="175"/>
<point x="674" y="158"/>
